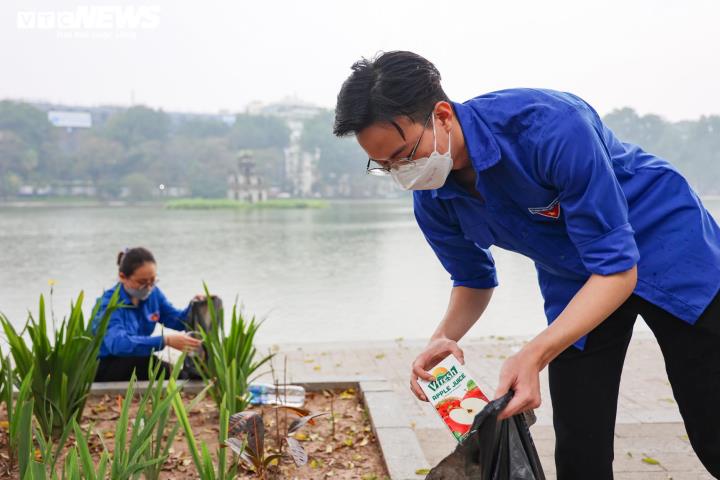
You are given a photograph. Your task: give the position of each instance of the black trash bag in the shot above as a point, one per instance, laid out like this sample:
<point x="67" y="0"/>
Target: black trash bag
<point x="199" y="318"/>
<point x="493" y="450"/>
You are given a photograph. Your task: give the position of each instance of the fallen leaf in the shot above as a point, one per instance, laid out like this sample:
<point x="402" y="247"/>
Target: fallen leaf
<point x="650" y="461"/>
<point x="348" y="394"/>
<point x="236" y="445"/>
<point x="422" y="471"/>
<point x="297" y="452"/>
<point x="4" y="424"/>
<point x="316" y="368"/>
<point x="380" y="356"/>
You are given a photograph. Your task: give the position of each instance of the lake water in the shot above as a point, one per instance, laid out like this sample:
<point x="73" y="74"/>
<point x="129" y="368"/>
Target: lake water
<point x="357" y="270"/>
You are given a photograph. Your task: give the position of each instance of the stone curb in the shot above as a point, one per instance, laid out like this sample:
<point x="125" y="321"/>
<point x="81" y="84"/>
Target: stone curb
<point x="398" y="441"/>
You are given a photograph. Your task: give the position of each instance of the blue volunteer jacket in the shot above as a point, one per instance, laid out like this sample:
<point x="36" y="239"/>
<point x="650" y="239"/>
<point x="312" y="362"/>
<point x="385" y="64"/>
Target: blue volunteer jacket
<point x="558" y="187"/>
<point x="130" y="327"/>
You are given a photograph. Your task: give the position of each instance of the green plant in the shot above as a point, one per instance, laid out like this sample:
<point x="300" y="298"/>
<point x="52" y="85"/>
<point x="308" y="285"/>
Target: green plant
<point x="63" y="370"/>
<point x="20" y="433"/>
<point x="133" y="453"/>
<point x="141" y="452"/>
<point x="200" y="453"/>
<point x="163" y="437"/>
<point x="231" y="357"/>
<point x="80" y="455"/>
<point x="78" y="461"/>
<point x="19" y="412"/>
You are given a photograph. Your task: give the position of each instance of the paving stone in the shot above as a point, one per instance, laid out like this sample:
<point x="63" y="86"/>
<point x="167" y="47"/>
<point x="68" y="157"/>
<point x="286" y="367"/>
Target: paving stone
<point x="402" y="453"/>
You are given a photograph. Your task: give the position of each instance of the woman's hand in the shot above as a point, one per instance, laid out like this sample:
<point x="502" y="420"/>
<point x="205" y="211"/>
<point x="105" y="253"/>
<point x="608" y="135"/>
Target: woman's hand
<point x="434" y="352"/>
<point x="181" y="341"/>
<point x="520" y="373"/>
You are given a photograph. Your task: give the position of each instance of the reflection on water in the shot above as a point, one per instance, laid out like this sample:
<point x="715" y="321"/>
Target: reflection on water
<point x="353" y="271"/>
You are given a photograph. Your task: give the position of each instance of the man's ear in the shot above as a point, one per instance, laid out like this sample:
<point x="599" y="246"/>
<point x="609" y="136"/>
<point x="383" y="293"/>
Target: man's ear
<point x="444" y="115"/>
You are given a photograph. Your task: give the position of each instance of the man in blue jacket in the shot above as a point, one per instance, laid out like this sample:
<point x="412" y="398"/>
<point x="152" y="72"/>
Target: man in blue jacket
<point x="615" y="232"/>
<point x="128" y="343"/>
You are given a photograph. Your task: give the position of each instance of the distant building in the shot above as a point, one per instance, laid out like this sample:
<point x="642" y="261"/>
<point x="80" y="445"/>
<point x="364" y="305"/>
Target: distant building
<point x="70" y="119"/>
<point x="243" y="183"/>
<point x="300" y="167"/>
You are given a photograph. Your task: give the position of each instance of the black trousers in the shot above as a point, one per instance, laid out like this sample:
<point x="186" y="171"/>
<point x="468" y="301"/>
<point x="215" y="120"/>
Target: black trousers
<point x="584" y="387"/>
<point x="119" y="369"/>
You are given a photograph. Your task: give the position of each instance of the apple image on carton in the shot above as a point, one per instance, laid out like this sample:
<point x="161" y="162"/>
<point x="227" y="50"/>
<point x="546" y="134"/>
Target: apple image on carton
<point x="474" y="391"/>
<point x="447" y="405"/>
<point x="460" y="418"/>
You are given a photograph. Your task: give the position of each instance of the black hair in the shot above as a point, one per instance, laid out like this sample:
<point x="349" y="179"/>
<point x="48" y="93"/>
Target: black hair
<point x="131" y="259"/>
<point x="392" y="84"/>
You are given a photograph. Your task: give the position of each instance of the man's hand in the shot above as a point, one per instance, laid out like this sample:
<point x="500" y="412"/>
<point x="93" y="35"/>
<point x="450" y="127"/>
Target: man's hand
<point x="182" y="342"/>
<point x="520" y="373"/>
<point x="199" y="297"/>
<point x="591" y="305"/>
<point x="435" y="351"/>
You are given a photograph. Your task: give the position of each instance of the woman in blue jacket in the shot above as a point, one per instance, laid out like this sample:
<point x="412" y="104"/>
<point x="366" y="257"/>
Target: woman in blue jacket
<point x="614" y="231"/>
<point x="128" y="343"/>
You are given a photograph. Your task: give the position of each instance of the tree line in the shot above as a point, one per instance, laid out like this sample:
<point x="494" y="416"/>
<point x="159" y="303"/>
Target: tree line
<point x="136" y="149"/>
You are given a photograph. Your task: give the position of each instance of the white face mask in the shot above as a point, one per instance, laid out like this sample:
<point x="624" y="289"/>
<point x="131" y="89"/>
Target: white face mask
<point x="426" y="173"/>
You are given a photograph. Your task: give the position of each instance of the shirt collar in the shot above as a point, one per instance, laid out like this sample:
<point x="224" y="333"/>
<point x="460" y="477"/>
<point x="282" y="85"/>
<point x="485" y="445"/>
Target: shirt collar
<point x="479" y="142"/>
<point x="124" y="296"/>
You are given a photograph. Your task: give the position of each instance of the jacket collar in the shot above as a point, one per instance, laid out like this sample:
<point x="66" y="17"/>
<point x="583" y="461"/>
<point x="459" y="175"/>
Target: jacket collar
<point x="480" y="143"/>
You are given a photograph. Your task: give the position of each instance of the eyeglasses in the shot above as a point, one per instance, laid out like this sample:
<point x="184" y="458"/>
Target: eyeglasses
<point x="381" y="171"/>
<point x="150" y="283"/>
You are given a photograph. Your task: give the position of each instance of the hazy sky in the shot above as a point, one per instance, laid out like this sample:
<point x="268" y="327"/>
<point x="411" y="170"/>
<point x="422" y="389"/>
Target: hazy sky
<point x="655" y="56"/>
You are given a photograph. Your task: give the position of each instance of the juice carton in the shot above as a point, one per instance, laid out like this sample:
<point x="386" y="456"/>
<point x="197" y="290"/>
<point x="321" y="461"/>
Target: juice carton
<point x="455" y="396"/>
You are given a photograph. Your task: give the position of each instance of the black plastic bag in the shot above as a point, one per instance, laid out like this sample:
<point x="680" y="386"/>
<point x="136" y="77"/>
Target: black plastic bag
<point x="493" y="450"/>
<point x="199" y="319"/>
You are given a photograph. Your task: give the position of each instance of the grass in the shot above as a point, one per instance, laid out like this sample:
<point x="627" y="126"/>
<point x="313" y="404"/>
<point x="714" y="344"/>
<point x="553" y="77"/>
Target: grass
<point x="229" y="204"/>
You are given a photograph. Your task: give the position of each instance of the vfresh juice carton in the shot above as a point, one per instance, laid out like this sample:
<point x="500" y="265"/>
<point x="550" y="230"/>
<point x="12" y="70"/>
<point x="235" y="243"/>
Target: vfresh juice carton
<point x="455" y="396"/>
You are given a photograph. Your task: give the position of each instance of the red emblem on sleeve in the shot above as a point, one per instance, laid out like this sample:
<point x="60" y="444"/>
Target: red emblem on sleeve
<point x="154" y="317"/>
<point x="551" y="211"/>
